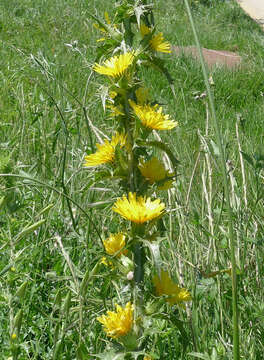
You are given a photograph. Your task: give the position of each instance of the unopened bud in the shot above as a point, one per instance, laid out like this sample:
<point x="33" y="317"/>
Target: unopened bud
<point x="130" y="275"/>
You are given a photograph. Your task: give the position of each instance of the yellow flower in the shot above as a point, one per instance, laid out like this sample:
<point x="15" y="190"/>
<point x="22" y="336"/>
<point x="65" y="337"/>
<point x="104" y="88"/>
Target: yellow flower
<point x="153" y="170"/>
<point x="119" y="323"/>
<point x="144" y="30"/>
<point x="165" y="286"/>
<point x="152" y="117"/>
<point x="147" y="357"/>
<point x="138" y="210"/>
<point x="142" y="95"/>
<point x="116" y="65"/>
<point x="105" y="152"/>
<point x="118" y="139"/>
<point x="114" y="243"/>
<point x="158" y="44"/>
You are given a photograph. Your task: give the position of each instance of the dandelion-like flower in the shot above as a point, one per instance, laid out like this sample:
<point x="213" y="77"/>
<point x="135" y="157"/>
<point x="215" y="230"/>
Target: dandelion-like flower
<point x="114" y="243"/>
<point x="152" y="117"/>
<point x="154" y="170"/>
<point x="105" y="152"/>
<point x="116" y="65"/>
<point x="138" y="209"/>
<point x="118" y="139"/>
<point x="157" y="42"/>
<point x="119" y="323"/>
<point x="165" y="286"/>
<point x="144" y="30"/>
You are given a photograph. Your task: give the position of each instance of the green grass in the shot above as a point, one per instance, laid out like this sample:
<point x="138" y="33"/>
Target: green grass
<point x="44" y="135"/>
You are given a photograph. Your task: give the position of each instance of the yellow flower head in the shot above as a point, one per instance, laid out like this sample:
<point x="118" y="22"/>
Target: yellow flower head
<point x="138" y="210"/>
<point x="116" y="65"/>
<point x="154" y="170"/>
<point x="114" y="243"/>
<point x="119" y="323"/>
<point x="152" y="117"/>
<point x="144" y="30"/>
<point x="118" y="139"/>
<point x="105" y="152"/>
<point x="165" y="286"/>
<point x="158" y="44"/>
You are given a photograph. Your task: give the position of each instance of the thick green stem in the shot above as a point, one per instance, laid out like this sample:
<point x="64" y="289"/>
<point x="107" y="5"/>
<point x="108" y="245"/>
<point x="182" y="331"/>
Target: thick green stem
<point x="138" y="250"/>
<point x="139" y="259"/>
<point x="226" y="187"/>
<point x="139" y="263"/>
<point x="130" y="139"/>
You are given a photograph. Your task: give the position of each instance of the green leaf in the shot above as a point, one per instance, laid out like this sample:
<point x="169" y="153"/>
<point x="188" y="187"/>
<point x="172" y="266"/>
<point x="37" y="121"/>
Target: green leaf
<point x="104" y="94"/>
<point x="46" y="209"/>
<point x="18" y="321"/>
<point x="29" y="229"/>
<point x="199" y="355"/>
<point x="155" y="252"/>
<point x="160" y="65"/>
<point x="99" y="204"/>
<point x="2" y="201"/>
<point x="215" y="148"/>
<point x="86" y="279"/>
<point x="248" y="158"/>
<point x="111" y="355"/>
<point x="161" y="146"/>
<point x="57" y="350"/>
<point x="6" y="269"/>
<point x="21" y="290"/>
<point x="82" y="353"/>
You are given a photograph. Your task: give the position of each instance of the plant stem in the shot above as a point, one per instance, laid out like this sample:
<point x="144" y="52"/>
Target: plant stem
<point x="139" y="262"/>
<point x="139" y="258"/>
<point x="236" y="355"/>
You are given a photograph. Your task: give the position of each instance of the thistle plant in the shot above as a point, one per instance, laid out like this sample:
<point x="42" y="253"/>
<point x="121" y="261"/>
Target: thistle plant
<point x="133" y="157"/>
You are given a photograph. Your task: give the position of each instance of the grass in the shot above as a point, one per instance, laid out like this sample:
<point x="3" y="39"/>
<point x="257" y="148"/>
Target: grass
<point x="46" y="85"/>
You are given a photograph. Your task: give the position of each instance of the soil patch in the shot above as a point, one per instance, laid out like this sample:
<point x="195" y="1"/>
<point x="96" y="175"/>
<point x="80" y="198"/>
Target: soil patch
<point x="212" y="57"/>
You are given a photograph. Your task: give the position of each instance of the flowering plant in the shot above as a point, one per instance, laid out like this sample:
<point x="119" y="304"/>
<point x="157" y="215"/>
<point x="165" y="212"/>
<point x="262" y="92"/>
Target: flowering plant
<point x="135" y="158"/>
